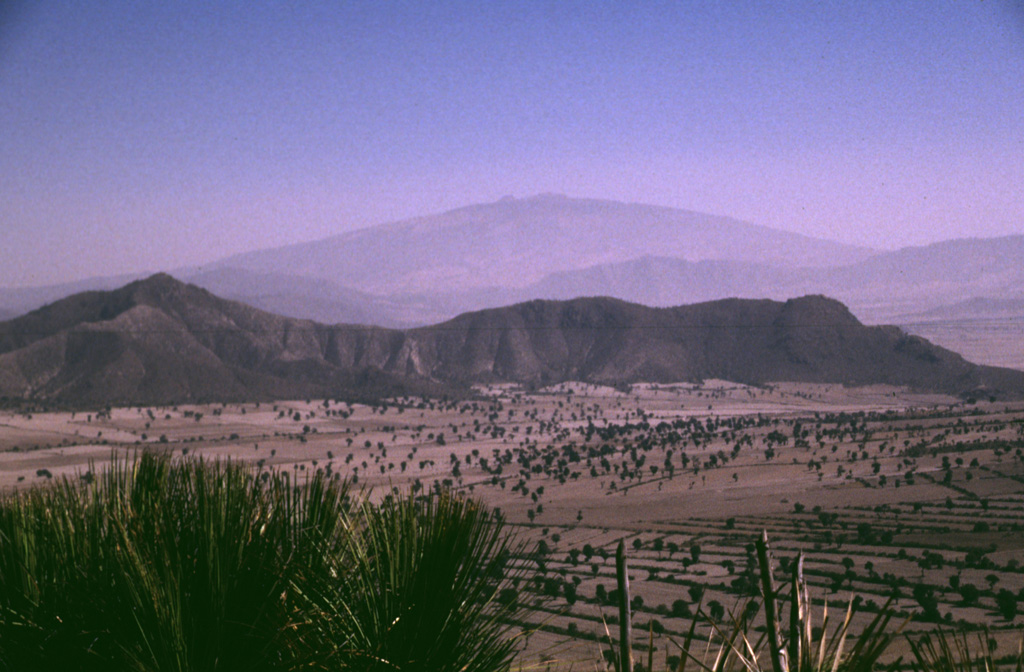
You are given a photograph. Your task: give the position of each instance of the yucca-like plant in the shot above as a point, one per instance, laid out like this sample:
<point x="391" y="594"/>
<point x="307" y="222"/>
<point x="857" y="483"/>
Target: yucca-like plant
<point x="53" y="548"/>
<point x="421" y="590"/>
<point x="790" y="644"/>
<point x="943" y="651"/>
<point x="206" y="556"/>
<point x="189" y="566"/>
<point x="159" y="565"/>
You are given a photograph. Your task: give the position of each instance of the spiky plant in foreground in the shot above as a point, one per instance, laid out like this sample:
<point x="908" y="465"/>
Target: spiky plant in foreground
<point x="944" y="651"/>
<point x="794" y="644"/>
<point x="158" y="565"/>
<point x="423" y="576"/>
<point x="788" y="644"/>
<point x="194" y="566"/>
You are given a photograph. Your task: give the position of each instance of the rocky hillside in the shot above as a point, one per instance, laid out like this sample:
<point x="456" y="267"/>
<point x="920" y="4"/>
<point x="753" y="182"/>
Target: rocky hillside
<point x="159" y="340"/>
<point x="810" y="339"/>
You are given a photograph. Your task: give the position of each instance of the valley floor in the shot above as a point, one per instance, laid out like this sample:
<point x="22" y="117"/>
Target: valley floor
<point x="887" y="493"/>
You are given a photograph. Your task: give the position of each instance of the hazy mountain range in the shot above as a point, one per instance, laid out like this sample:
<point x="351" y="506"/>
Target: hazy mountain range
<point x="430" y="269"/>
<point x="163" y="341"/>
<point x="513" y="243"/>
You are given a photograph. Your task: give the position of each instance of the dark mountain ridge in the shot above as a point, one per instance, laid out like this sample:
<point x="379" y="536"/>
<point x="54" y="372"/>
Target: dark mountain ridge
<point x="809" y="339"/>
<point x="161" y="341"/>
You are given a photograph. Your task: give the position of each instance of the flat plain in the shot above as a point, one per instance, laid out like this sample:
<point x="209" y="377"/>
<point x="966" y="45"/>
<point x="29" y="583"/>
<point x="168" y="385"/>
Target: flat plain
<point x="888" y="493"/>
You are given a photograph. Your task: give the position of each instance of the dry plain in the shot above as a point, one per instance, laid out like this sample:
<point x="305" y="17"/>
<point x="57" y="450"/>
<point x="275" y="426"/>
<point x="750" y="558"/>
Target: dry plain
<point x="887" y="493"/>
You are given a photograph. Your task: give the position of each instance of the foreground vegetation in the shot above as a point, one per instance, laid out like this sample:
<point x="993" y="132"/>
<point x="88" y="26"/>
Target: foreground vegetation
<point x="790" y="640"/>
<point x="191" y="565"/>
<point x="161" y="564"/>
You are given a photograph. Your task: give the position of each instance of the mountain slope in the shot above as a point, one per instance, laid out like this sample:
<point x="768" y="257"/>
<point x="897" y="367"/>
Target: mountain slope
<point x="298" y="296"/>
<point x="513" y="242"/>
<point x="885" y="286"/>
<point x="977" y="308"/>
<point x="16" y="301"/>
<point x="912" y="279"/>
<point x="882" y="288"/>
<point x="429" y="269"/>
<point x="162" y="341"/>
<point x="665" y="281"/>
<point x="811" y="339"/>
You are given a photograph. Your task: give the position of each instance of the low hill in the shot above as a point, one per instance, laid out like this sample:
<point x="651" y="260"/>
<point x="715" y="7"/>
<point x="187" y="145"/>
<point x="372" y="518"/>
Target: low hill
<point x="159" y="341"/>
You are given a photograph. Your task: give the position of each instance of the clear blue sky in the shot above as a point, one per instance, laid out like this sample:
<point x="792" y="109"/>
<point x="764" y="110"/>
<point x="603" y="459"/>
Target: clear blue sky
<point x="146" y="135"/>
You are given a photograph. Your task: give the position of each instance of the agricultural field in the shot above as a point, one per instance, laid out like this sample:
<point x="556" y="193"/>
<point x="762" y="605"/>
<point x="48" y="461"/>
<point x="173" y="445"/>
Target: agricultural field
<point x="890" y="495"/>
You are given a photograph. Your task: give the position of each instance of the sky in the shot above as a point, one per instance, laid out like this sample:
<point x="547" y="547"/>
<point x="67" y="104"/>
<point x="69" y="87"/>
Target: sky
<point x="141" y="136"/>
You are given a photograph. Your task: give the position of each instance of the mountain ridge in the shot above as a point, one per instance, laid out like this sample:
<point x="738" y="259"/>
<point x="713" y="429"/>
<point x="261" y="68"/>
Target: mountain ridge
<point x="405" y="283"/>
<point x="428" y="269"/>
<point x="514" y="241"/>
<point x="159" y="340"/>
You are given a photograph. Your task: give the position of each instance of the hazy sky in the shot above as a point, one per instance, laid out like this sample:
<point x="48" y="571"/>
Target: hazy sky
<point x="148" y="135"/>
